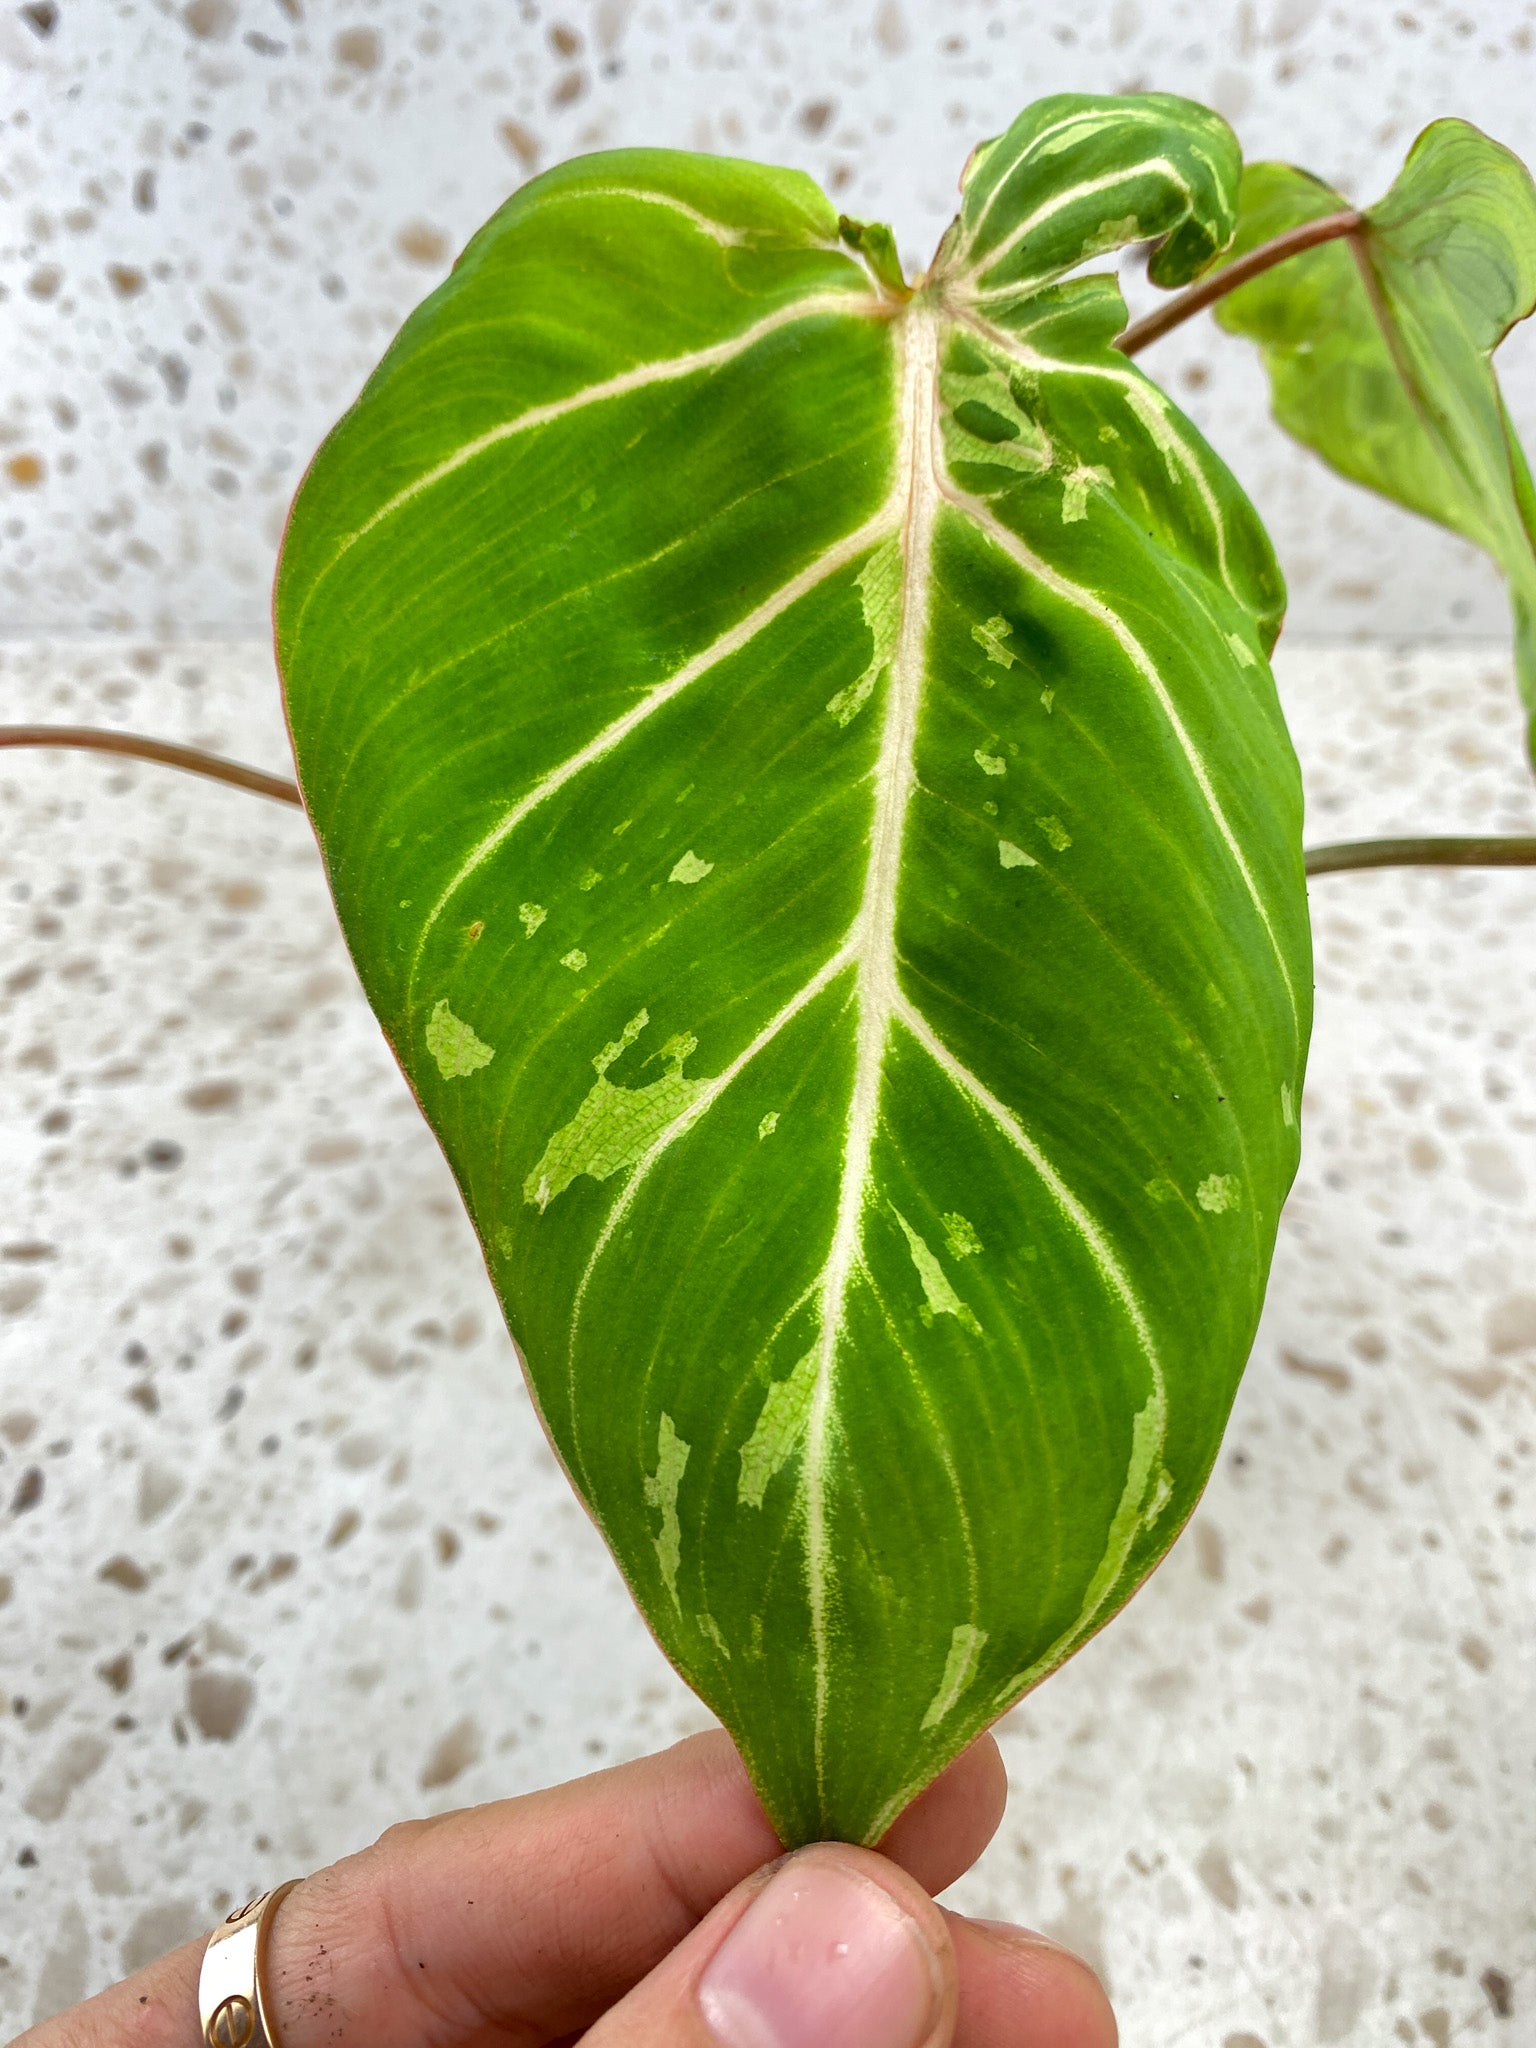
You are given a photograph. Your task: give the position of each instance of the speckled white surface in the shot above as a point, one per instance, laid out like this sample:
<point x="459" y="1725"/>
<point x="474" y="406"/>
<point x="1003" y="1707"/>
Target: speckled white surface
<point x="282" y="1554"/>
<point x="285" y="1558"/>
<point x="214" y="214"/>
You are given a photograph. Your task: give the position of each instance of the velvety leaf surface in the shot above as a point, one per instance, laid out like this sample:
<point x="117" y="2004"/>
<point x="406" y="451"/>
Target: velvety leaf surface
<point x="1379" y="348"/>
<point x="802" y="783"/>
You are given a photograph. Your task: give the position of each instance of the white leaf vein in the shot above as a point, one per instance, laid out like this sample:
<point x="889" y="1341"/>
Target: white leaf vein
<point x="641" y="377"/>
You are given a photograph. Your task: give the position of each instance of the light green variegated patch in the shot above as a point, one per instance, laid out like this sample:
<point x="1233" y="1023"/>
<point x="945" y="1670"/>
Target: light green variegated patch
<point x="991" y="637"/>
<point x="778" y="1432"/>
<point x="614" y="1125"/>
<point x="960" y="1237"/>
<point x="857" y="693"/>
<point x="453" y="1044"/>
<point x="691" y="869"/>
<point x="879" y="588"/>
<point x="661" y="1490"/>
<point x="939" y="1297"/>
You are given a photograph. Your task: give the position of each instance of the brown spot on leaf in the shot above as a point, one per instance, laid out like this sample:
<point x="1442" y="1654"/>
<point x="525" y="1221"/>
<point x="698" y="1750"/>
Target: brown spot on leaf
<point x="125" y="280"/>
<point x="25" y="470"/>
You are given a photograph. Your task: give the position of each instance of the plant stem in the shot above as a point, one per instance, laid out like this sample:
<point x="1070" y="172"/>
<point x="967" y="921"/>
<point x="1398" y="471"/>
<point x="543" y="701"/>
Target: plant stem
<point x="140" y="749"/>
<point x="1216" y="286"/>
<point x="1421" y="853"/>
<point x="1320" y="860"/>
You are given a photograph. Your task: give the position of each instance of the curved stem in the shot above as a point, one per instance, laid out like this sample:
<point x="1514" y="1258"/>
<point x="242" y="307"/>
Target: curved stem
<point x="1216" y="286"/>
<point x="1320" y="860"/>
<point x="1421" y="853"/>
<point x="141" y="749"/>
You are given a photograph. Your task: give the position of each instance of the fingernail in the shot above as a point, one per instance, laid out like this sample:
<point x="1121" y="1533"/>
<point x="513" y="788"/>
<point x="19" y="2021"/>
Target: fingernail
<point x="822" y="1958"/>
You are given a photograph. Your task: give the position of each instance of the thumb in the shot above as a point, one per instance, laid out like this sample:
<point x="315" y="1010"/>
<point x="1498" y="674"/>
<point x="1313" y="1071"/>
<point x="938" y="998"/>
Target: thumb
<point x="831" y="1948"/>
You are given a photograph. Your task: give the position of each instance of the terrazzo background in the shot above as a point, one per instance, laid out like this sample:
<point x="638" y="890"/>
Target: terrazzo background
<point x="283" y="1557"/>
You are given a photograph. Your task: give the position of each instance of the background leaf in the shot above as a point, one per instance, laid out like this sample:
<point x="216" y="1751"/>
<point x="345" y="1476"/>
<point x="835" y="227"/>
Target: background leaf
<point x="801" y="782"/>
<point x="1379" y="348"/>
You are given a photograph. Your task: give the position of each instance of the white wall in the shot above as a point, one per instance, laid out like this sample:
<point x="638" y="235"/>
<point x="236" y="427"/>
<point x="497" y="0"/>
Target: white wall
<point x="213" y="215"/>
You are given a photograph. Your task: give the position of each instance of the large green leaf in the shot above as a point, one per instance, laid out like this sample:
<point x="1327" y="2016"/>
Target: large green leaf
<point x="1379" y="349"/>
<point x="801" y="780"/>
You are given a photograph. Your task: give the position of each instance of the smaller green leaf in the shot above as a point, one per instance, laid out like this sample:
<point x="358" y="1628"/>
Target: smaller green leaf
<point x="875" y="242"/>
<point x="1379" y="347"/>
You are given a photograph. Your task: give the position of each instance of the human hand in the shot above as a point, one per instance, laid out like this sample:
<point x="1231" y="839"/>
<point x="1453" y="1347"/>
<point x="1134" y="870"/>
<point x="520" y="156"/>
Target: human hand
<point x="641" y="1907"/>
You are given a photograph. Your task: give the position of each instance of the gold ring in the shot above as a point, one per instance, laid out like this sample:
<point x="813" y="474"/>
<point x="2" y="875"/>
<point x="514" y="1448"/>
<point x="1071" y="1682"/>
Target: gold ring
<point x="231" y="1995"/>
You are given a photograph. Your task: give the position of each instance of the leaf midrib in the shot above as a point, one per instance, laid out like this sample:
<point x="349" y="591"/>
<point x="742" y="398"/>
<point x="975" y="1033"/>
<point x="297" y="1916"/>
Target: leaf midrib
<point x="876" y="989"/>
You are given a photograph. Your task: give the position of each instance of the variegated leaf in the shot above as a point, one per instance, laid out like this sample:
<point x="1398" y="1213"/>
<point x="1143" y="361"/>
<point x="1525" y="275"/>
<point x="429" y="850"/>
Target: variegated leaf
<point x="799" y="773"/>
<point x="1379" y="349"/>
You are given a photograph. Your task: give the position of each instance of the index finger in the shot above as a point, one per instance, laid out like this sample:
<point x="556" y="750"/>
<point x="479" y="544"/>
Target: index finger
<point x="526" y="1919"/>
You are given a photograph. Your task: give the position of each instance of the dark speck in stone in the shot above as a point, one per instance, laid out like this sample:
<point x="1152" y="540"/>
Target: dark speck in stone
<point x="29" y="1490"/>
